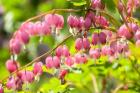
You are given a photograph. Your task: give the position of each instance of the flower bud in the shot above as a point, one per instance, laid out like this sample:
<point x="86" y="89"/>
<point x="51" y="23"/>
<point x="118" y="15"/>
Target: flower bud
<point x="78" y="43"/>
<point x="37" y="28"/>
<point x="87" y="23"/>
<point x="91" y="15"/>
<point x="106" y="50"/>
<point x="62" y="73"/>
<point x="37" y="68"/>
<point x="101" y="21"/>
<point x="11" y="83"/>
<point x="15" y="46"/>
<point x="102" y="38"/>
<point x="80" y="58"/>
<point x="96" y="4"/>
<point x="46" y="29"/>
<point x="69" y="61"/>
<point x="86" y="43"/>
<point x="95" y="38"/>
<point x="124" y="32"/>
<point x="22" y="36"/>
<point x="66" y="51"/>
<point x="56" y="62"/>
<point x="94" y="53"/>
<point x="73" y="21"/>
<point x="11" y="65"/>
<point x="55" y="21"/>
<point x="49" y="62"/>
<point x="59" y="51"/>
<point x="27" y="76"/>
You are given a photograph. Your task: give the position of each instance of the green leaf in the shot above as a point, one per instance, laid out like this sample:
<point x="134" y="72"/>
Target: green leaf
<point x="81" y="3"/>
<point x="110" y="5"/>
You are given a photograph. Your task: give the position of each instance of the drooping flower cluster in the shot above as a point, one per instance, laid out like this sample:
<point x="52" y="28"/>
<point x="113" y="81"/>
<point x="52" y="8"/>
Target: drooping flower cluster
<point x="52" y="23"/>
<point x="83" y="24"/>
<point x="88" y="45"/>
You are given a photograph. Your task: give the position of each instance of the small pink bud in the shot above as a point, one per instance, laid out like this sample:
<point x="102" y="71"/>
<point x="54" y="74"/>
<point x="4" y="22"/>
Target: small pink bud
<point x="30" y="28"/>
<point x="59" y="51"/>
<point x="11" y="83"/>
<point x="56" y="62"/>
<point x="96" y="4"/>
<point x="69" y="61"/>
<point x="95" y="38"/>
<point x="106" y="50"/>
<point x="26" y="27"/>
<point x="37" y="69"/>
<point x="45" y="29"/>
<point x="102" y="38"/>
<point x="59" y="22"/>
<point x="84" y="58"/>
<point x="66" y="51"/>
<point x="73" y="21"/>
<point x="81" y="24"/>
<point x="86" y="43"/>
<point x="22" y="36"/>
<point x="15" y="46"/>
<point x="62" y="73"/>
<point x="101" y="21"/>
<point x="91" y="15"/>
<point x="87" y="23"/>
<point x="37" y="28"/>
<point x="11" y="65"/>
<point x="78" y="43"/>
<point x="77" y="58"/>
<point x="55" y="21"/>
<point x="49" y="62"/>
<point x="94" y="53"/>
<point x="80" y="58"/>
<point x="27" y="76"/>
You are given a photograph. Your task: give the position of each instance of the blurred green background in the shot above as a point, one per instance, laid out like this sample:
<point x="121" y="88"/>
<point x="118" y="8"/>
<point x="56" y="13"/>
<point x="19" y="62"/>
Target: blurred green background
<point x="107" y="75"/>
